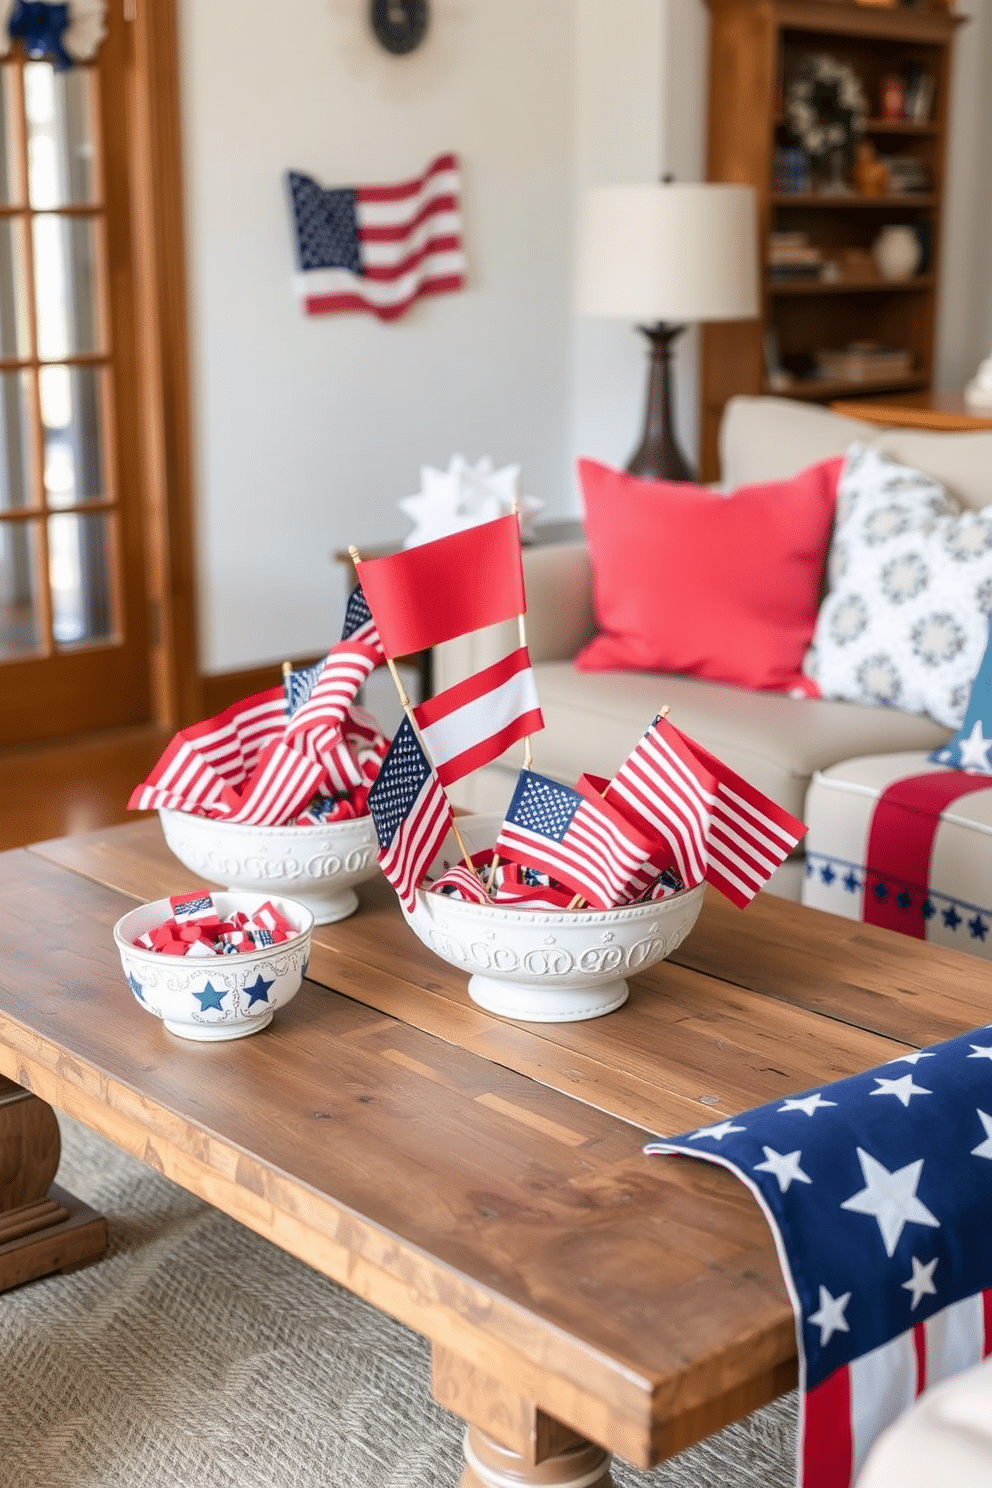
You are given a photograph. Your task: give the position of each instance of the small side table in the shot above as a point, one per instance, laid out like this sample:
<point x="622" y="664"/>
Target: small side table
<point x="943" y="413"/>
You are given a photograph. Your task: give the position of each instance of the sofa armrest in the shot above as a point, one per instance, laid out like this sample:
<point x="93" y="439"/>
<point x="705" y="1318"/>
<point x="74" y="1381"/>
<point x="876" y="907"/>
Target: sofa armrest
<point x="560" y="617"/>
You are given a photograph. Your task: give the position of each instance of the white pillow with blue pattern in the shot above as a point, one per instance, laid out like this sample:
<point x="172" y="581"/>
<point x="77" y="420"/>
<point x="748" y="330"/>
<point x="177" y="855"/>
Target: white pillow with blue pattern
<point x="906" y="618"/>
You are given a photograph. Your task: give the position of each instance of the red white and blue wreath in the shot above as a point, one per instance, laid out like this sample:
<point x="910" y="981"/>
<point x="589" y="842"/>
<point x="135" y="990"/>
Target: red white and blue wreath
<point x="61" y="33"/>
<point x="825" y="106"/>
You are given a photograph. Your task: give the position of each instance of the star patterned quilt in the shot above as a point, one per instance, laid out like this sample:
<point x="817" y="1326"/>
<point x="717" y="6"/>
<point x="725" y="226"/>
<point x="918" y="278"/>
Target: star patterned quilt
<point x="878" y="1190"/>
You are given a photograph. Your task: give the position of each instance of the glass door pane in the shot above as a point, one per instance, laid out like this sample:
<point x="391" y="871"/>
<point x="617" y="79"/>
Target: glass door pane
<point x="21" y="630"/>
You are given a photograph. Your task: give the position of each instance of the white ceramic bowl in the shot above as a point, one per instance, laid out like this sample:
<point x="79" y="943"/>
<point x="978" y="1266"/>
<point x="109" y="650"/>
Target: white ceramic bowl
<point x="243" y="991"/>
<point x="547" y="966"/>
<point x="319" y="866"/>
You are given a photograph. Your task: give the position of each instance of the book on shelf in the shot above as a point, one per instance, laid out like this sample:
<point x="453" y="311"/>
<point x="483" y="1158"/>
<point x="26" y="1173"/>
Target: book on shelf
<point x="863" y="361"/>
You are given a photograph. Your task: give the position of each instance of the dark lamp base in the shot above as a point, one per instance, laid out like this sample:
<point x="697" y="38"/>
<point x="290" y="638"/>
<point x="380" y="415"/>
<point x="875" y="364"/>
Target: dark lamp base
<point x="658" y="456"/>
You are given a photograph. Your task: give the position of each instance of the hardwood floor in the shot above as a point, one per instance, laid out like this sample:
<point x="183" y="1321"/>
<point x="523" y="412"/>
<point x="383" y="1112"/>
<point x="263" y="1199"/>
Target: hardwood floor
<point x="54" y="790"/>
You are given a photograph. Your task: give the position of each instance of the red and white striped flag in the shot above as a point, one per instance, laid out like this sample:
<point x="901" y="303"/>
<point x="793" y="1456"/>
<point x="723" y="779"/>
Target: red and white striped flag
<point x="472" y="723"/>
<point x="334" y="685"/>
<point x="461" y="882"/>
<point x="717" y="826"/>
<point x="200" y="761"/>
<point x="378" y="248"/>
<point x="281" y="785"/>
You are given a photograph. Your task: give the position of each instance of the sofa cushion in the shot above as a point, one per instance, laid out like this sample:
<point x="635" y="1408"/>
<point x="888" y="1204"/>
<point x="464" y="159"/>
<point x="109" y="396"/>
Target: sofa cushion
<point x="906" y="619"/>
<point x="764" y="439"/>
<point x="961" y="462"/>
<point x="723" y="587"/>
<point x="593" y="719"/>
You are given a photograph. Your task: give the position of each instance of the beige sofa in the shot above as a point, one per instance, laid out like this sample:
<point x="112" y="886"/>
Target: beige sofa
<point x="592" y="720"/>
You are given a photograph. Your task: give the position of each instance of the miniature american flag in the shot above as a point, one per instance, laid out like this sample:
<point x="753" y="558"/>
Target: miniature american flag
<point x="878" y="1190"/>
<point x="202" y="762"/>
<point x="281" y="785"/>
<point x="460" y="882"/>
<point x="716" y="825"/>
<point x="377" y="248"/>
<point x="358" y="623"/>
<point x="411" y="814"/>
<point x="591" y="848"/>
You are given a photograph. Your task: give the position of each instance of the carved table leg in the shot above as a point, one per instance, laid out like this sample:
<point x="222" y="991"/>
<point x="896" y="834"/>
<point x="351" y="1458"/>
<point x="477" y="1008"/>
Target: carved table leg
<point x="488" y="1464"/>
<point x="510" y="1442"/>
<point x="42" y="1228"/>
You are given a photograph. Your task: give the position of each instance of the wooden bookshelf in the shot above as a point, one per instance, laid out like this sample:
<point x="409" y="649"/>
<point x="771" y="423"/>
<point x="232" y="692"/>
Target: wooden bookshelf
<point x="755" y="47"/>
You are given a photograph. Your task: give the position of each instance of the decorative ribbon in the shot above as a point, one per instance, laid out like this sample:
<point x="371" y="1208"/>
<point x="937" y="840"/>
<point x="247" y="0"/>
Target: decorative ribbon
<point x="900" y="844"/>
<point x="40" y="27"/>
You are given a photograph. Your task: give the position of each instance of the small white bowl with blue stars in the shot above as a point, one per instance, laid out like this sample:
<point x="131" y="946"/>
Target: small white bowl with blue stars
<point x="220" y="997"/>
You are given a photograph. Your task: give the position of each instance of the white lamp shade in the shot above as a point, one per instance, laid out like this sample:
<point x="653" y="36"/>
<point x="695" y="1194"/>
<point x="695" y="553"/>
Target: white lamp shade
<point x="669" y="252"/>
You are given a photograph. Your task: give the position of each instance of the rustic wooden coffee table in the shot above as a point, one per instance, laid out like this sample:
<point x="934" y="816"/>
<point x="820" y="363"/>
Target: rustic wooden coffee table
<point x="481" y="1180"/>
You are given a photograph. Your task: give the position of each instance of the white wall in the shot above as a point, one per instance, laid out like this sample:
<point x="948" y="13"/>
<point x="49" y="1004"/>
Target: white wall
<point x="310" y="430"/>
<point x="639" y="112"/>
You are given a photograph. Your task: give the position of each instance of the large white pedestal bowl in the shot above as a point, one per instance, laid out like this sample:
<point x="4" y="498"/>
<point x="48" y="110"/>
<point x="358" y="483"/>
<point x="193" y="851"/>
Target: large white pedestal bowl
<point x="317" y="866"/>
<point x="214" y="998"/>
<point x="547" y="966"/>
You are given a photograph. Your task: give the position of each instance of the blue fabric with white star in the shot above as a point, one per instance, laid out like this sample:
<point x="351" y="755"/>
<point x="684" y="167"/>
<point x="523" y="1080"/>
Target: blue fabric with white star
<point x="971" y="746"/>
<point x="880" y="1187"/>
<point x="326" y="224"/>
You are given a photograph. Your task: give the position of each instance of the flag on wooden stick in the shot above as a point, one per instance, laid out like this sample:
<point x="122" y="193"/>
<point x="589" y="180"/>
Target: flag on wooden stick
<point x="201" y="760"/>
<point x="411" y="813"/>
<point x="717" y="826"/>
<point x="429" y="594"/>
<point x="471" y="724"/>
<point x="590" y="847"/>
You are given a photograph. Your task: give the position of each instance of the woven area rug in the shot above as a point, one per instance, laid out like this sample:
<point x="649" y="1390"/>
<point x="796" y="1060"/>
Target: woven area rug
<point x="199" y="1356"/>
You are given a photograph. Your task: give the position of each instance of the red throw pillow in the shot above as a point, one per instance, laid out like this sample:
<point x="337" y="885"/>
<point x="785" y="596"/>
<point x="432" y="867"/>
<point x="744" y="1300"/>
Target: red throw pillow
<point x="724" y="587"/>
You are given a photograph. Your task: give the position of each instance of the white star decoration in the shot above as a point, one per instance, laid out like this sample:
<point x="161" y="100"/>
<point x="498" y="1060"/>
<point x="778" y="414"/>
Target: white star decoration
<point x="464" y="495"/>
<point x="785" y="1166"/>
<point x="808" y="1103"/>
<point x="911" y="1058"/>
<point x="984" y="1149"/>
<point x="890" y="1198"/>
<point x="830" y="1316"/>
<point x="723" y="1129"/>
<point x="903" y="1089"/>
<point x="980" y="1052"/>
<point x="921" y="1282"/>
<point x="973" y="752"/>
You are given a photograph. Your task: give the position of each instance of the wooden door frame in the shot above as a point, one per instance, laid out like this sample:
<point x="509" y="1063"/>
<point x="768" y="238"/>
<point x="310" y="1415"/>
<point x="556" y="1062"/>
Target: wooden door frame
<point x="154" y="121"/>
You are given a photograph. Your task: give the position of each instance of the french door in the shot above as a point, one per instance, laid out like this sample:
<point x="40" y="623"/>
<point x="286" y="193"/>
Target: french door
<point x="74" y="644"/>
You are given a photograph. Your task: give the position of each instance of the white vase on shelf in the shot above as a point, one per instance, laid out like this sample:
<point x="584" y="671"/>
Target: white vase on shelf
<point x="897" y="251"/>
<point x="978" y="393"/>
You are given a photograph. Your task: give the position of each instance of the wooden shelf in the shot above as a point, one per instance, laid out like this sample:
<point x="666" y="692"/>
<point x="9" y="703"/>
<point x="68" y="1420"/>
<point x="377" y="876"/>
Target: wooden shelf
<point x="756" y="48"/>
<point x="924" y="199"/>
<point x="815" y="389"/>
<point x="849" y="286"/>
<point x="881" y="126"/>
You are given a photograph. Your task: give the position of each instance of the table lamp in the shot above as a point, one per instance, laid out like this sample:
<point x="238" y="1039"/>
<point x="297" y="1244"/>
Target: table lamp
<point x="665" y="255"/>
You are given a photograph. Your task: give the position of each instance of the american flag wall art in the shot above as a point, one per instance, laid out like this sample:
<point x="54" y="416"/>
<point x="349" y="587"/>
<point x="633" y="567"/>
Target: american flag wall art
<point x="377" y="248"/>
